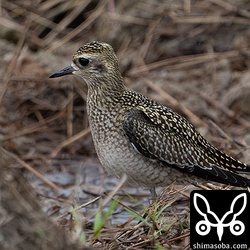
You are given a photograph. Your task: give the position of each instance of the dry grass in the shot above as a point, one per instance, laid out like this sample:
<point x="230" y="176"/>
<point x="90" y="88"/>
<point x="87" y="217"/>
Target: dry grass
<point x="190" y="55"/>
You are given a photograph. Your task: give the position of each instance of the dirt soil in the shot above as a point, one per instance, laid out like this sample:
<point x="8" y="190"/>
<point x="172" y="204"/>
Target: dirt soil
<point x="192" y="56"/>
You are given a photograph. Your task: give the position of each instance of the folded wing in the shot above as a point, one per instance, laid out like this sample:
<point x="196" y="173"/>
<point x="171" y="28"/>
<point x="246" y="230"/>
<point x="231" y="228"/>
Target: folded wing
<point x="158" y="133"/>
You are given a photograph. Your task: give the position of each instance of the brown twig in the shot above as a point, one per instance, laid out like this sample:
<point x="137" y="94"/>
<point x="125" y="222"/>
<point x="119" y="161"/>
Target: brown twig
<point x="179" y="237"/>
<point x="184" y="61"/>
<point x="210" y="19"/>
<point x="78" y="208"/>
<point x="70" y="140"/>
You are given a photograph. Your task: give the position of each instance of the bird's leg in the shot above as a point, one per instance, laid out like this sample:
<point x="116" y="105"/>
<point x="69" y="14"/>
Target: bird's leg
<point x="151" y="201"/>
<point x="153" y="194"/>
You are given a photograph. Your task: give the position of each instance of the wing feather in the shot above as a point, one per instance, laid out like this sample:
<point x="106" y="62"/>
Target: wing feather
<point x="173" y="142"/>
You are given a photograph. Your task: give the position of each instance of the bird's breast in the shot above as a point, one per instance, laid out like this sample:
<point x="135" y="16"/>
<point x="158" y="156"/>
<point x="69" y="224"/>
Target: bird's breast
<point x="111" y="144"/>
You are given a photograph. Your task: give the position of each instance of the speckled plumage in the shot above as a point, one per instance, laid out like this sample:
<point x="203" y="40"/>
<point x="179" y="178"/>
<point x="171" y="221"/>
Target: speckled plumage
<point x="137" y="136"/>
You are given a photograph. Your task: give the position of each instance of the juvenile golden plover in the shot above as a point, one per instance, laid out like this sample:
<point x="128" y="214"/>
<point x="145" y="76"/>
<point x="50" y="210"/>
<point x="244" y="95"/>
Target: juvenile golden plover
<point x="141" y="138"/>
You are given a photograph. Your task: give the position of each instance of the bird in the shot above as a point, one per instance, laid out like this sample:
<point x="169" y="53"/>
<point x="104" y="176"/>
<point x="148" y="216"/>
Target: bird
<point x="141" y="138"/>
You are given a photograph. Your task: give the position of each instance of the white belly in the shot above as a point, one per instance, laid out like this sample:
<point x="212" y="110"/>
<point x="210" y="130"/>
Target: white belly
<point x="120" y="157"/>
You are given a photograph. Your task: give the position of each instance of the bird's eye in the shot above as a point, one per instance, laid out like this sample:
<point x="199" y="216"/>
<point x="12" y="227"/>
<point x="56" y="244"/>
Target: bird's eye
<point x="83" y="61"/>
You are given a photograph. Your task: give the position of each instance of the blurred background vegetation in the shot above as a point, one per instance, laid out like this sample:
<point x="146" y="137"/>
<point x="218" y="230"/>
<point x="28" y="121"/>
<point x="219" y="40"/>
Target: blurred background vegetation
<point x="191" y="55"/>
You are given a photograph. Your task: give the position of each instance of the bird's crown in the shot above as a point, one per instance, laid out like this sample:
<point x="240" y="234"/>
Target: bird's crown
<point x="94" y="47"/>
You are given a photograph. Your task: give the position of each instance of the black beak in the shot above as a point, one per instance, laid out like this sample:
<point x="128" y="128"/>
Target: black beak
<point x="66" y="71"/>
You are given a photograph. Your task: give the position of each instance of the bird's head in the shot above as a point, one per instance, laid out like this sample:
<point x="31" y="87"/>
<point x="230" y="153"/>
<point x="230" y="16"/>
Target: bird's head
<point x="95" y="62"/>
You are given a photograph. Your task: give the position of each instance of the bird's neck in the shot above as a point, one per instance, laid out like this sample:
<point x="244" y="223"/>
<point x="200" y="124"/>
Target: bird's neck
<point x="105" y="92"/>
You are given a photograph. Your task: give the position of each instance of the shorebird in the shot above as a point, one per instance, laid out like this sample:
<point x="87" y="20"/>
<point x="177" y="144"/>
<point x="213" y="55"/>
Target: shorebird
<point x="136" y="136"/>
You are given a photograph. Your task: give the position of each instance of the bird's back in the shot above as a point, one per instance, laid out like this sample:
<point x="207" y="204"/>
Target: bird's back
<point x="159" y="133"/>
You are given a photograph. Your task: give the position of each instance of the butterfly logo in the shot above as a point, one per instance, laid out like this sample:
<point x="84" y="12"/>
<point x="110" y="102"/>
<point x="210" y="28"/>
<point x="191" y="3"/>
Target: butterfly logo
<point x="210" y="219"/>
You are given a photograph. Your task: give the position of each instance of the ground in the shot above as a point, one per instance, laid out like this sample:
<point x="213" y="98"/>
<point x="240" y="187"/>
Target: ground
<point x="192" y="56"/>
